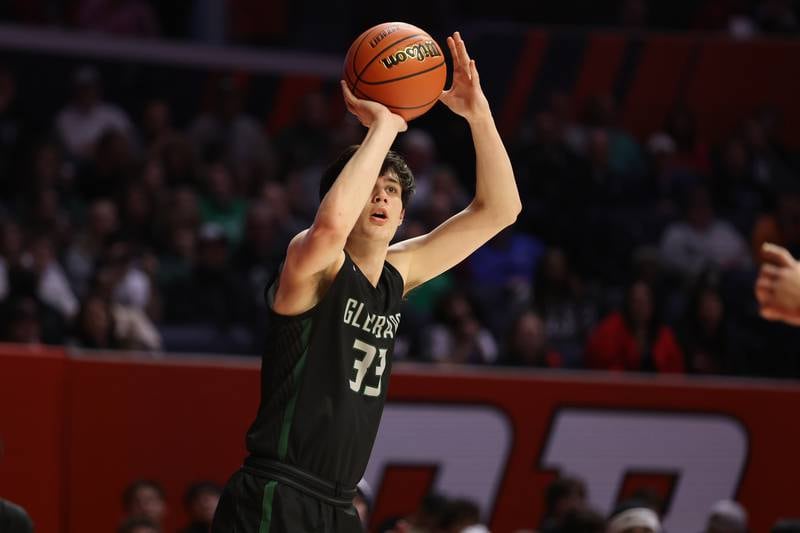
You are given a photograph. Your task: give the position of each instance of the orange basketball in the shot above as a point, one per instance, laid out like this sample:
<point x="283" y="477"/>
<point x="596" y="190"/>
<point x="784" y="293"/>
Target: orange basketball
<point x="398" y="65"/>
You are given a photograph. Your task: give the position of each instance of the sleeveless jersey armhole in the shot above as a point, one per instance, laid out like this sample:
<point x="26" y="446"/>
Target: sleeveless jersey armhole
<point x="272" y="287"/>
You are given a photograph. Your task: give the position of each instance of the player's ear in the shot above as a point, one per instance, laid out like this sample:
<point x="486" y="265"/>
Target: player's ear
<point x="402" y="215"/>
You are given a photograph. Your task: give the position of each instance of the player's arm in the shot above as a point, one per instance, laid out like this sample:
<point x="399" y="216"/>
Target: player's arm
<point x="316" y="253"/>
<point x="496" y="203"/>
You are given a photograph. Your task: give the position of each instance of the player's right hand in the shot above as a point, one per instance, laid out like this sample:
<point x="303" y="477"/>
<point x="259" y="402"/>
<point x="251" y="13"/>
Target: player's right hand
<point x="368" y="112"/>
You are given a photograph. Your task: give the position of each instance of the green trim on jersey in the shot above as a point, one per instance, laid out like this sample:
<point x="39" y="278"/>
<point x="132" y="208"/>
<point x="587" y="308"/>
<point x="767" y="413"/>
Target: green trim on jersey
<point x="288" y="415"/>
<point x="266" y="507"/>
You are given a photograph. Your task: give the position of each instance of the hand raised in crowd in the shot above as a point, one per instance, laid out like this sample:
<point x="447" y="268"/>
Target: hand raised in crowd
<point x="778" y="285"/>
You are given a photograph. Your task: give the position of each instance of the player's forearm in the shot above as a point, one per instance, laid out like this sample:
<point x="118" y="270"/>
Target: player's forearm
<point x="346" y="198"/>
<point x="496" y="188"/>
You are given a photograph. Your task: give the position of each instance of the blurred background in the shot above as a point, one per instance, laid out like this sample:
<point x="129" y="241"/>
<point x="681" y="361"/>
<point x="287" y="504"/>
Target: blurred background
<point x="156" y="158"/>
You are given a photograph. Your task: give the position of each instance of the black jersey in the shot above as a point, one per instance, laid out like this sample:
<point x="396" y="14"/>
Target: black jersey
<point x="324" y="376"/>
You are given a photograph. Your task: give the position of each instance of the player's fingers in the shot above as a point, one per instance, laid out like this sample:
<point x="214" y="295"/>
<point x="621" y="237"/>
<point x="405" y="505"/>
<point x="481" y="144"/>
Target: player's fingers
<point x="770" y="272"/>
<point x="775" y="254"/>
<point x="764" y="289"/>
<point x="462" y="49"/>
<point x="473" y="69"/>
<point x="348" y="94"/>
<point x="451" y="44"/>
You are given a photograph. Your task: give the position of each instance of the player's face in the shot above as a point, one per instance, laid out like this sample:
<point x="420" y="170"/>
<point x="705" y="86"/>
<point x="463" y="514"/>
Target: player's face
<point x="384" y="211"/>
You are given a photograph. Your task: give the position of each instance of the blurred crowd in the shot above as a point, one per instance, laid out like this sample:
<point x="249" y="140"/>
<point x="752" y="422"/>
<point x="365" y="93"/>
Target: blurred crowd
<point x="131" y="232"/>
<point x="566" y="504"/>
<point x="320" y="26"/>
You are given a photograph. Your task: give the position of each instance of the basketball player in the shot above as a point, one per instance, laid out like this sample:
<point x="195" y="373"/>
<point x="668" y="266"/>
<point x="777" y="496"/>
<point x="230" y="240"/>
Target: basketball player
<point x="334" y="316"/>
<point x="778" y="285"/>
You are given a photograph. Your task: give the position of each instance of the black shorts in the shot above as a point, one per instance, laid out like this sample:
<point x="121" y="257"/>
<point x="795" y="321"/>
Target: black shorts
<point x="251" y="503"/>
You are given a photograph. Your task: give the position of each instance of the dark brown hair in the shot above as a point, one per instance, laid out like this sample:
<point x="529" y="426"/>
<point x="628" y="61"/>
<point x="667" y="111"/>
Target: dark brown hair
<point x="394" y="162"/>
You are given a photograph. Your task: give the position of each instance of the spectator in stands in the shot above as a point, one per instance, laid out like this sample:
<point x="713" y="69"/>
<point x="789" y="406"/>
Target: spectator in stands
<point x="95" y="326"/>
<point x="548" y="170"/>
<point x="702" y="240"/>
<point x="457" y="334"/>
<point x="227" y="133"/>
<point x="257" y="258"/>
<point x="138" y="524"/>
<point x="14" y="518"/>
<point x="564" y="495"/>
<point x="275" y="196"/>
<point x="21" y="319"/>
<point x="420" y="151"/>
<point x="565" y="304"/>
<point x="582" y="521"/>
<point x="726" y="516"/>
<point x="305" y="141"/>
<point x="691" y="151"/>
<point x="88" y="246"/>
<point x="111" y="166"/>
<point x="222" y="204"/>
<point x="48" y="215"/>
<point x="156" y="126"/>
<point x="500" y="273"/>
<point x="11" y="250"/>
<point x="138" y="215"/>
<point x="213" y="294"/>
<point x="737" y="192"/>
<point x="632" y="517"/>
<point x="461" y="515"/>
<point x="635" y="338"/>
<point x="52" y="287"/>
<point x="104" y="324"/>
<point x="47" y="170"/>
<point x="145" y="498"/>
<point x="179" y="163"/>
<point x="613" y="150"/>
<point x="708" y="338"/>
<point x="527" y="343"/>
<point x="201" y="501"/>
<point x="427" y="517"/>
<point x="81" y="123"/>
<point x="177" y="260"/>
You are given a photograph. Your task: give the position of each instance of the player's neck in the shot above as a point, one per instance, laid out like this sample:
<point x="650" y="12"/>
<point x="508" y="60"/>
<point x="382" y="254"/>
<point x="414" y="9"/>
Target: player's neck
<point x="368" y="255"/>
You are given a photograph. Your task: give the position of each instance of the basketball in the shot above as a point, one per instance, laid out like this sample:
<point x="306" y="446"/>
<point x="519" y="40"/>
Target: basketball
<point x="398" y="65"/>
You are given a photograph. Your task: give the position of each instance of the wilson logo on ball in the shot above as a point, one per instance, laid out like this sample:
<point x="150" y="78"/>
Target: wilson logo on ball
<point x="419" y="51"/>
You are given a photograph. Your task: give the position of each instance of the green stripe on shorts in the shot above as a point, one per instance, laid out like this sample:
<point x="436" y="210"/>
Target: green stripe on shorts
<point x="266" y="507"/>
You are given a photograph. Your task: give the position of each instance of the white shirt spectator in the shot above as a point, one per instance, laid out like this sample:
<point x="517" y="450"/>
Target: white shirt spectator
<point x="689" y="250"/>
<point x="80" y="129"/>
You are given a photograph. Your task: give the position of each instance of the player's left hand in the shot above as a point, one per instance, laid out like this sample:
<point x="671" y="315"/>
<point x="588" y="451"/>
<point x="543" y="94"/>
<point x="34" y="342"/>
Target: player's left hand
<point x="465" y="96"/>
<point x="778" y="285"/>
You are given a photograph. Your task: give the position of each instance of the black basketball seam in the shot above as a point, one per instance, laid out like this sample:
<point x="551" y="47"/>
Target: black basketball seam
<point x="358" y="76"/>
<point x="403" y="77"/>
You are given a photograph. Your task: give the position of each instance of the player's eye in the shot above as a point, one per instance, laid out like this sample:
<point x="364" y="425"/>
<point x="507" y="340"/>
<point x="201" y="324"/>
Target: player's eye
<point x="391" y="188"/>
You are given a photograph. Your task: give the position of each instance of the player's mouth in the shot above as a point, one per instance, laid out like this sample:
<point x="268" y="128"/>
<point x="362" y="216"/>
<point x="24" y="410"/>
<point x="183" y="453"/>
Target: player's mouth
<point x="379" y="217"/>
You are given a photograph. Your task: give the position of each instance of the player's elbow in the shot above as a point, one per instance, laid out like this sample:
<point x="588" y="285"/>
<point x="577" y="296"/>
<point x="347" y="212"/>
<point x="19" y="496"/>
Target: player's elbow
<point x="509" y="216"/>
